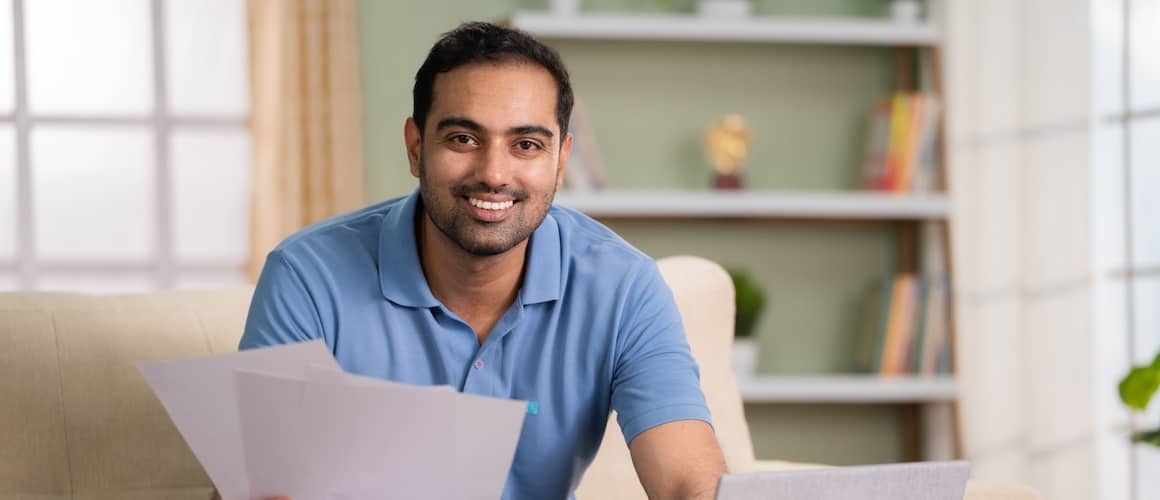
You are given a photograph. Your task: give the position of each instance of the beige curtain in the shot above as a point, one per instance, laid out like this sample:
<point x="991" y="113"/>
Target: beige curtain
<point x="306" y="117"/>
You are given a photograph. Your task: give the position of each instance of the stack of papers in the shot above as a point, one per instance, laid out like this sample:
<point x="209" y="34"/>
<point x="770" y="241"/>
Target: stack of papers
<point x="288" y="421"/>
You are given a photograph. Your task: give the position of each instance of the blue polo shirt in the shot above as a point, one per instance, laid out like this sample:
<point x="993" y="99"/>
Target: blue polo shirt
<point x="594" y="328"/>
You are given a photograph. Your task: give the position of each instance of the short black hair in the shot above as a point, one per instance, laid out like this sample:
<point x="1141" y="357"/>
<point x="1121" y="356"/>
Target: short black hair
<point x="479" y="42"/>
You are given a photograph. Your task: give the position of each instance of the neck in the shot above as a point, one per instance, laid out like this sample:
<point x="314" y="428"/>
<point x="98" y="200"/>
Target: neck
<point x="468" y="284"/>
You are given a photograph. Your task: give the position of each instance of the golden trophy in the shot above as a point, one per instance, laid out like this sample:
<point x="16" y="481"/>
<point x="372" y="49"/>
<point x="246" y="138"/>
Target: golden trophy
<point x="726" y="149"/>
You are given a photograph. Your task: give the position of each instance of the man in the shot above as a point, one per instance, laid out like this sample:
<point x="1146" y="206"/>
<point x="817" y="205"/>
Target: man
<point x="479" y="282"/>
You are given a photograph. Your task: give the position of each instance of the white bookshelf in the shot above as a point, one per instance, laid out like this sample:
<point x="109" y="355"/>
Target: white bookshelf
<point x="760" y="29"/>
<point x="848" y="389"/>
<point x="843" y="205"/>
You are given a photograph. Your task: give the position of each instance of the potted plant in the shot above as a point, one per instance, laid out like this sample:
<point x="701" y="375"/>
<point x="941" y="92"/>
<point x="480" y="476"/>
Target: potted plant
<point x="750" y="300"/>
<point x="1136" y="390"/>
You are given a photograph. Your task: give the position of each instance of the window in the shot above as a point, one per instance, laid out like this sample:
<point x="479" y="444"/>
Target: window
<point x="124" y="150"/>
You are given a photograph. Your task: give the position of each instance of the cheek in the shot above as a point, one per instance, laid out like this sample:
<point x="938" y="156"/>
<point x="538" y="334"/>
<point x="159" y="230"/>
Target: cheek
<point x="444" y="166"/>
<point x="543" y="173"/>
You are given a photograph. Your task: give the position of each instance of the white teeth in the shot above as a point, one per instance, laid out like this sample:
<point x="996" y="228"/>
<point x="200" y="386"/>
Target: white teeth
<point x="490" y="205"/>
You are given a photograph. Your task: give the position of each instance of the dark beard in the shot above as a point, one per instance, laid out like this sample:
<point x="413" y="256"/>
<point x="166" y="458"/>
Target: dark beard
<point x="466" y="232"/>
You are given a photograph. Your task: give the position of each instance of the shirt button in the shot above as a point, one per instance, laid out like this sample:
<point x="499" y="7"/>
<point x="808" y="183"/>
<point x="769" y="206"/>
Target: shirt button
<point x="478" y="364"/>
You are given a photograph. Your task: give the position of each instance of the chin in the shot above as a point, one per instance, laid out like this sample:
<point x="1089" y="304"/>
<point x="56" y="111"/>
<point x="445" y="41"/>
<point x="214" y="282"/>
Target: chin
<point x="485" y="249"/>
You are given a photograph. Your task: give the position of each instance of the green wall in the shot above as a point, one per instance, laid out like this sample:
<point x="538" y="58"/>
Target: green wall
<point x="648" y="104"/>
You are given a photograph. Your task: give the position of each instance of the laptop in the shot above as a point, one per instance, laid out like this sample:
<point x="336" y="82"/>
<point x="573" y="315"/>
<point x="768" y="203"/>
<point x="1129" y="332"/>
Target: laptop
<point x="912" y="481"/>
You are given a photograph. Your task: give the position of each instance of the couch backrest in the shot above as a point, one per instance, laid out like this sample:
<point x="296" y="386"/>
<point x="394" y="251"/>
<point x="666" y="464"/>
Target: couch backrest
<point x="76" y="419"/>
<point x="704" y="295"/>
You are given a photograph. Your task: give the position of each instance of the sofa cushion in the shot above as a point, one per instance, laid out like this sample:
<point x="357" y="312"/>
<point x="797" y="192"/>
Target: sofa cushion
<point x="79" y="420"/>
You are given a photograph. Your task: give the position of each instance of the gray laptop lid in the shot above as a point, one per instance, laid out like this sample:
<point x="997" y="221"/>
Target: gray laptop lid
<point x="915" y="481"/>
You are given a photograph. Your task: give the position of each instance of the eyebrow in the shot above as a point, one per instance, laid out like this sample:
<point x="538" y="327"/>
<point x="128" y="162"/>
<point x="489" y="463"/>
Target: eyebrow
<point x="474" y="126"/>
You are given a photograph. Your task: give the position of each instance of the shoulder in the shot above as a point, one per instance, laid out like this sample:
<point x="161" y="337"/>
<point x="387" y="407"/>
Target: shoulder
<point x="340" y="236"/>
<point x="595" y="252"/>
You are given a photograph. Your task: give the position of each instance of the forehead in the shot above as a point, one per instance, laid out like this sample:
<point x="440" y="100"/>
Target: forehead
<point x="496" y="95"/>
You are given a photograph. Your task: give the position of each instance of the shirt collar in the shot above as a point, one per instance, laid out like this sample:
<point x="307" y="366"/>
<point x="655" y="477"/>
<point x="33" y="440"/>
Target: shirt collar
<point x="401" y="276"/>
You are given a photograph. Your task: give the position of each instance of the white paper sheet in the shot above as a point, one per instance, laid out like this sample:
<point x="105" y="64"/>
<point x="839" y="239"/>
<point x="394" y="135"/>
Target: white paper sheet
<point x="277" y="462"/>
<point x="199" y="395"/>
<point x="287" y="421"/>
<point x="487" y="431"/>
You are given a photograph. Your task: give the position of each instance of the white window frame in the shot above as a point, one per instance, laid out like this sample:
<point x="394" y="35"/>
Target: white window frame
<point x="163" y="267"/>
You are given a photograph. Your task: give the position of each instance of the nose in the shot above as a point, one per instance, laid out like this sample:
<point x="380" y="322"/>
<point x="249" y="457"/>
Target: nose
<point x="494" y="168"/>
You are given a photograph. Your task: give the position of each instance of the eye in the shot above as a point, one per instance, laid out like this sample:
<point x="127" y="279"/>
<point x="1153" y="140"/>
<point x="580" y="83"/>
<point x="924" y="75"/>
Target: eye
<point x="462" y="139"/>
<point x="527" y="145"/>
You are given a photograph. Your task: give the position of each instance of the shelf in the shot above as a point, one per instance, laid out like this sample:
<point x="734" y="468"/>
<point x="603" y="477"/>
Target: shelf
<point x="689" y="27"/>
<point x="846" y="389"/>
<point x="837" y="205"/>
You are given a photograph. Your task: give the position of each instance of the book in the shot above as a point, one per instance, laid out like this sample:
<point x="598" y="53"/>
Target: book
<point x="867" y="336"/>
<point x="896" y="328"/>
<point x="937" y="345"/>
<point x="904" y="326"/>
<point x="901" y="146"/>
<point x="874" y="157"/>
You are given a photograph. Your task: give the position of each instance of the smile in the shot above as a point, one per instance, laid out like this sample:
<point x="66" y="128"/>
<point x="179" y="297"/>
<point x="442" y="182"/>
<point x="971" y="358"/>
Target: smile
<point x="490" y="205"/>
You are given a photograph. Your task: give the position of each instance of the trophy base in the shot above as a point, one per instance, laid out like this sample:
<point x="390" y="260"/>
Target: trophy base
<point x="728" y="182"/>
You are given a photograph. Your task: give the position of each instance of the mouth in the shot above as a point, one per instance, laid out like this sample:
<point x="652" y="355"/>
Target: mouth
<point x="493" y="210"/>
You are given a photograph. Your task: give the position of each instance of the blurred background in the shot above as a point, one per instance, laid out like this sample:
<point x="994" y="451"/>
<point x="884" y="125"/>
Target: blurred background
<point x="940" y="215"/>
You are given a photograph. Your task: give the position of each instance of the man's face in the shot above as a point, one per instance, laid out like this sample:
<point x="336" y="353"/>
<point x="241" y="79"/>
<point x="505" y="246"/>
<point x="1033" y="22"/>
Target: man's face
<point x="489" y="161"/>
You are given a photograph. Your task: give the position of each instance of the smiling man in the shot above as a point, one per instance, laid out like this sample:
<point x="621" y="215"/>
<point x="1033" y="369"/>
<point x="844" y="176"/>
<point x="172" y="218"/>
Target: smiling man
<point x="478" y="281"/>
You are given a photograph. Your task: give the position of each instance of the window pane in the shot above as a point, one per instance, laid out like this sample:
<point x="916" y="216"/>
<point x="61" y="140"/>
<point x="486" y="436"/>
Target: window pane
<point x="135" y="282"/>
<point x="8" y="215"/>
<point x="1108" y="192"/>
<point x="9" y="283"/>
<point x="1147" y="462"/>
<point x="93" y="191"/>
<point x="6" y="55"/>
<point x="207" y="56"/>
<point x="1107" y="57"/>
<point x="89" y="57"/>
<point x="1145" y="185"/>
<point x="209" y="281"/>
<point x="1145" y="44"/>
<point x="211" y="195"/>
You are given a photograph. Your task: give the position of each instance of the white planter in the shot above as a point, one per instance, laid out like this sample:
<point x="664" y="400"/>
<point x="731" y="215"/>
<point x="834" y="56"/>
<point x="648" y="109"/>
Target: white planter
<point x="744" y="358"/>
<point x="905" y="11"/>
<point x="724" y="8"/>
<point x="564" y="7"/>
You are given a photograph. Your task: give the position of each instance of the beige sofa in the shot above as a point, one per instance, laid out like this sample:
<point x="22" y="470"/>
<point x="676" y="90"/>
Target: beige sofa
<point x="78" y="422"/>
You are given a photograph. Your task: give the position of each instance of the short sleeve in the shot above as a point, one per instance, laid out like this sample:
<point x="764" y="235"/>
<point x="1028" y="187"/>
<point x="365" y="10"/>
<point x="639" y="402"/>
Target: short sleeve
<point x="655" y="378"/>
<point x="282" y="310"/>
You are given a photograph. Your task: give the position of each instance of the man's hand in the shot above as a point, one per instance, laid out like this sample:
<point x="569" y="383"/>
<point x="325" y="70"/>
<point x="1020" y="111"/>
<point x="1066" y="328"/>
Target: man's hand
<point x="678" y="461"/>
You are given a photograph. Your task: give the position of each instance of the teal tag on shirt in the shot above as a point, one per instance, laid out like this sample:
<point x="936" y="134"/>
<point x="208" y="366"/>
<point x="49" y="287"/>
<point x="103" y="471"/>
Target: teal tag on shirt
<point x="533" y="408"/>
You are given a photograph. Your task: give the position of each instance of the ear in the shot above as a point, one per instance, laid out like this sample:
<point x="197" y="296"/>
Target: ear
<point x="562" y="163"/>
<point x="414" y="143"/>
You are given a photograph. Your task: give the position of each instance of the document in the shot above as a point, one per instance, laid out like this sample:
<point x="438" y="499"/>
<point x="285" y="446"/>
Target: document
<point x="199" y="395"/>
<point x="300" y="426"/>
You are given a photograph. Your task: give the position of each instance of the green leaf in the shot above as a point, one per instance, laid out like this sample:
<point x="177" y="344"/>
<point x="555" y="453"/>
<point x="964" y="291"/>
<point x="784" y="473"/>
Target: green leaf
<point x="750" y="298"/>
<point x="1156" y="362"/>
<point x="1138" y="387"/>
<point x="1151" y="437"/>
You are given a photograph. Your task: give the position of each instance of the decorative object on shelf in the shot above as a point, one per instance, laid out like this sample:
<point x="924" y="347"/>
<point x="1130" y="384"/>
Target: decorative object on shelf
<point x="1136" y="391"/>
<point x="750" y="299"/>
<point x="585" y="170"/>
<point x="905" y="11"/>
<point x="724" y="8"/>
<point x="726" y="149"/>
